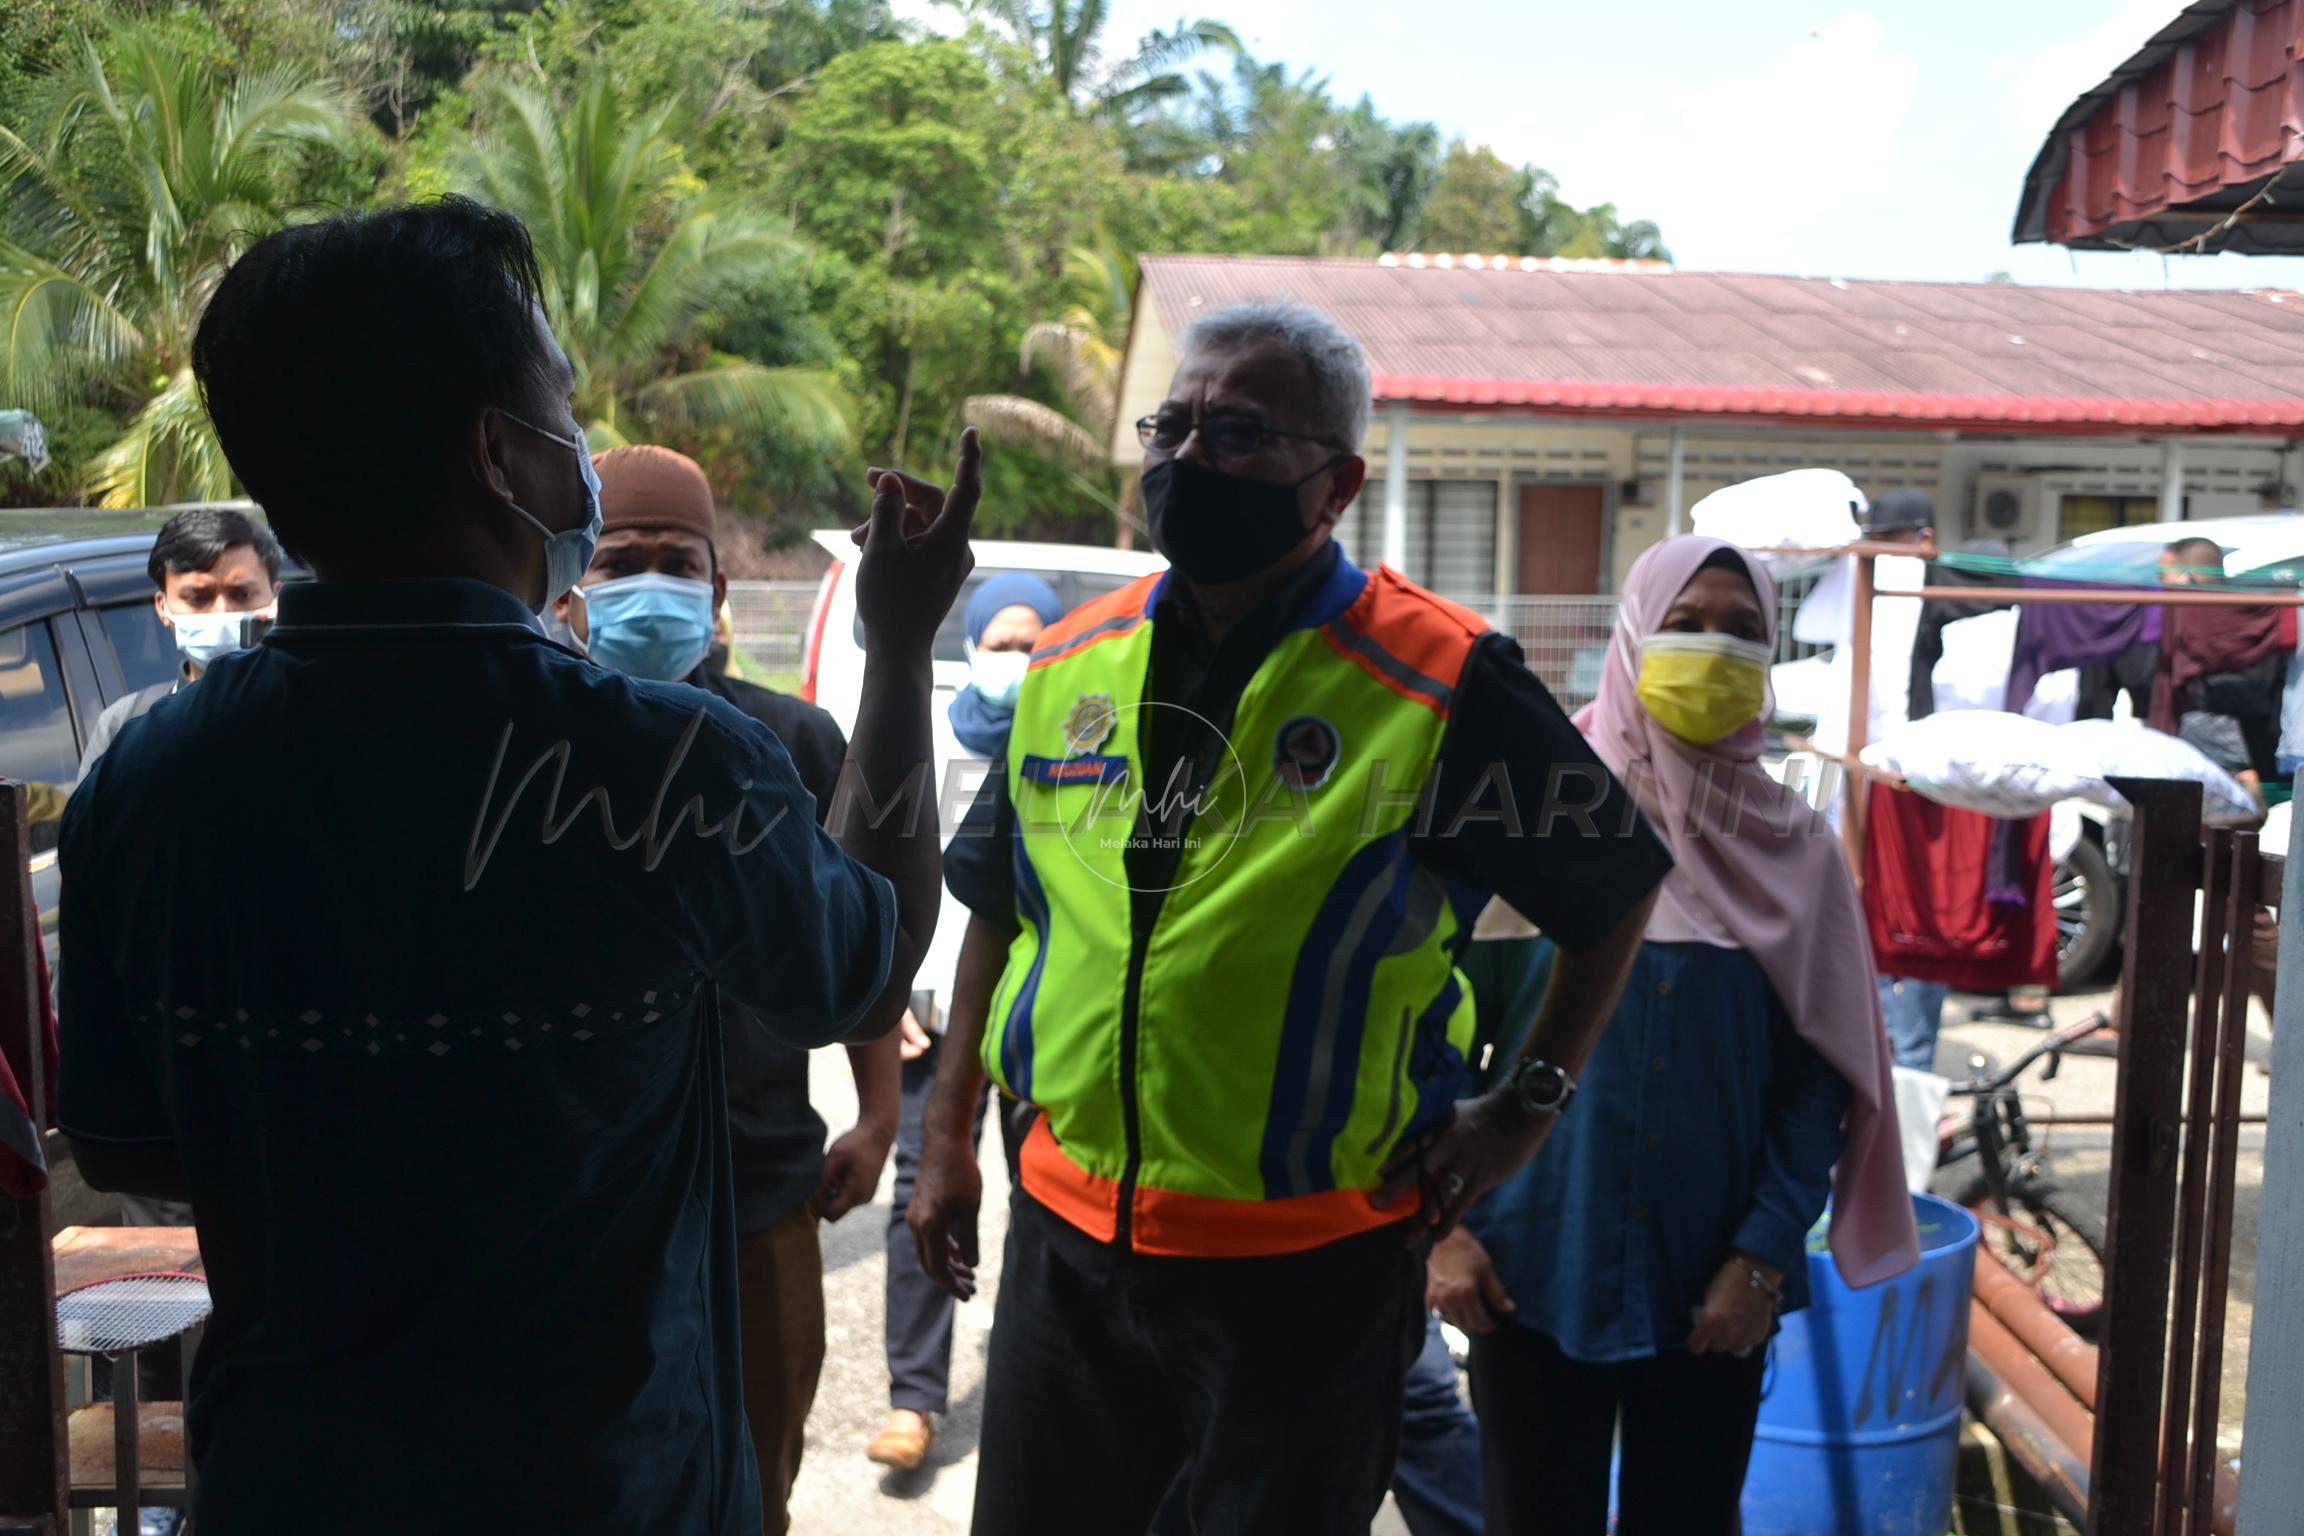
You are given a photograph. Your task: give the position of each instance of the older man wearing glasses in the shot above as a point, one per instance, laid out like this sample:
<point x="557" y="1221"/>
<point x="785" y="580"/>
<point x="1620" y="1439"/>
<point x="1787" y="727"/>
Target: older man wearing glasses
<point x="1250" y="810"/>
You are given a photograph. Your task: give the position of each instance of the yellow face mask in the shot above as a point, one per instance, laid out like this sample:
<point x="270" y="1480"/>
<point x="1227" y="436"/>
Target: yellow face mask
<point x="1703" y="688"/>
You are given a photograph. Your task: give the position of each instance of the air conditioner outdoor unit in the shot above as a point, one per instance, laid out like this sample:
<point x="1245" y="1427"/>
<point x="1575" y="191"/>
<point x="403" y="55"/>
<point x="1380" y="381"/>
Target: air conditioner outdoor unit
<point x="2009" y="508"/>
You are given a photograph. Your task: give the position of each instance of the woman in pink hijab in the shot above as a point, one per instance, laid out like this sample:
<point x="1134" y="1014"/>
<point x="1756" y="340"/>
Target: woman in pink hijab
<point x="1637" y="1266"/>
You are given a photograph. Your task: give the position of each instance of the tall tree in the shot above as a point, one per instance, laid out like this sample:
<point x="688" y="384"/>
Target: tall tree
<point x="1079" y="355"/>
<point x="730" y="74"/>
<point x="1066" y="39"/>
<point x="635" y="261"/>
<point x="1271" y="136"/>
<point x="396" y="57"/>
<point x="952" y="192"/>
<point x="137" y="174"/>
<point x="1395" y="168"/>
<point x="1474" y="205"/>
<point x="1552" y="226"/>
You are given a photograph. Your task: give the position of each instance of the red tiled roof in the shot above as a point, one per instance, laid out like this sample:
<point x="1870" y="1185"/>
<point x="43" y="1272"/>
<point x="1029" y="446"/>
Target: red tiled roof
<point x="2180" y="138"/>
<point x="1988" y="357"/>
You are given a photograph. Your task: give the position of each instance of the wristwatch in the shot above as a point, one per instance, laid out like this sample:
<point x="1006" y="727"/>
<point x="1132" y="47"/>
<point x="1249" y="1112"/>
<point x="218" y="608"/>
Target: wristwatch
<point x="1539" y="1087"/>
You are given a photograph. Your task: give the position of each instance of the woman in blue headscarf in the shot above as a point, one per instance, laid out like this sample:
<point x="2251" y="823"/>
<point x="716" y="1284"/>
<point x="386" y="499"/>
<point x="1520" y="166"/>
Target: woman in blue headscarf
<point x="1004" y="618"/>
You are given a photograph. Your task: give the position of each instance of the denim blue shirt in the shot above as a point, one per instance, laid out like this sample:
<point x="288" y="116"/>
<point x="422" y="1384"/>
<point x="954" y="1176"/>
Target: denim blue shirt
<point x="408" y="928"/>
<point x="1703" y="1123"/>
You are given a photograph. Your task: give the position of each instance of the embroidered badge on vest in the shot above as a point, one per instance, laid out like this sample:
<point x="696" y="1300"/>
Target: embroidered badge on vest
<point x="1075" y="770"/>
<point x="1090" y="723"/>
<point x="1304" y="751"/>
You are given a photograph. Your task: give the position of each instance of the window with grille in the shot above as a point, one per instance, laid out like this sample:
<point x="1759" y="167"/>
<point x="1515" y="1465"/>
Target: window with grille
<point x="1451" y="535"/>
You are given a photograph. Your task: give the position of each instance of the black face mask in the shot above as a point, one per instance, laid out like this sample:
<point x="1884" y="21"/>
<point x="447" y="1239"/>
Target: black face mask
<point x="1215" y="527"/>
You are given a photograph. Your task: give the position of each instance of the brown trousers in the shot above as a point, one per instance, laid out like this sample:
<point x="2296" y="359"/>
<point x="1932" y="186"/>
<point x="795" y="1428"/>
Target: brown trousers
<point x="780" y="1275"/>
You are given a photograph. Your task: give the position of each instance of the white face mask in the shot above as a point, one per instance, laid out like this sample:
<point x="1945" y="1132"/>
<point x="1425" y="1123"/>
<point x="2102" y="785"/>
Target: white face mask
<point x="998" y="675"/>
<point x="202" y="637"/>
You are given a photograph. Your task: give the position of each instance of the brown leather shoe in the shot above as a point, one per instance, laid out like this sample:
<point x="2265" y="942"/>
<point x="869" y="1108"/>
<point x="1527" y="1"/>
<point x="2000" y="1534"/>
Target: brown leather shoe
<point x="904" y="1441"/>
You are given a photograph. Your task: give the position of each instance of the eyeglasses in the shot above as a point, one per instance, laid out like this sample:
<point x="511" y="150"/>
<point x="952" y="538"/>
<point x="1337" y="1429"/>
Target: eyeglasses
<point x="1227" y="437"/>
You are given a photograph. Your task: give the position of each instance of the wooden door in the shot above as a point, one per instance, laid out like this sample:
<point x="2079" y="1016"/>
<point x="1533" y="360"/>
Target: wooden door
<point x="1562" y="534"/>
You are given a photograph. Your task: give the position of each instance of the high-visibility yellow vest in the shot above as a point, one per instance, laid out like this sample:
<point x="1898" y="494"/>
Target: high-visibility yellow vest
<point x="1224" y="1065"/>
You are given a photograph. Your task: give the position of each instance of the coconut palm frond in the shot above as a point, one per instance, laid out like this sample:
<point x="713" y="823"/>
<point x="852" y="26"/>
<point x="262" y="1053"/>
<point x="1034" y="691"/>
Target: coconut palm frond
<point x="1104" y="277"/>
<point x="708" y="259"/>
<point x="805" y="402"/>
<point x="56" y="332"/>
<point x="1041" y="429"/>
<point x="1086" y="367"/>
<point x="169" y="453"/>
<point x="132" y="178"/>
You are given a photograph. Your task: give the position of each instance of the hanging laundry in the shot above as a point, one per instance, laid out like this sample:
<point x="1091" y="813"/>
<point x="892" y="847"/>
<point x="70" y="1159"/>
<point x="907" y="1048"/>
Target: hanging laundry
<point x="1929" y="895"/>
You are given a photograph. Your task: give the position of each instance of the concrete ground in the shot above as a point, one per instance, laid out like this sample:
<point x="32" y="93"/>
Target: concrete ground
<point x="2081" y="1156"/>
<point x="839" y="1492"/>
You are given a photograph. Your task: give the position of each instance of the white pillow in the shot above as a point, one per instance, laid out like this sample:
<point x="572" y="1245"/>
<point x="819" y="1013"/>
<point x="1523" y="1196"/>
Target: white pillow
<point x="2008" y="765"/>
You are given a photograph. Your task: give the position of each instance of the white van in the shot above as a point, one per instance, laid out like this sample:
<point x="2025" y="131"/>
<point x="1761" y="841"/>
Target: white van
<point x="832" y="677"/>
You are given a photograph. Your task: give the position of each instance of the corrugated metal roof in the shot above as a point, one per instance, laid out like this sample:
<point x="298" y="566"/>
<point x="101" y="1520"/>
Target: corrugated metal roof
<point x="2194" y="130"/>
<point x="1993" y="357"/>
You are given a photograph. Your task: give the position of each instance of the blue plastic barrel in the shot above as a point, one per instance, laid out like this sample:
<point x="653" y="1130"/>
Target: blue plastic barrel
<point x="1859" y="1430"/>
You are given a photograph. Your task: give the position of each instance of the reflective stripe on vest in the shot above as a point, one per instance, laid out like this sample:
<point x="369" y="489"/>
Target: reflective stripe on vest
<point x="1297" y="1011"/>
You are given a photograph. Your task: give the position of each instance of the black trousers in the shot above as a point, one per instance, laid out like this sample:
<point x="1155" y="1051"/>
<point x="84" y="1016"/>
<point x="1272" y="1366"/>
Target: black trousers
<point x="1548" y="1424"/>
<point x="917" y="1326"/>
<point x="1277" y="1380"/>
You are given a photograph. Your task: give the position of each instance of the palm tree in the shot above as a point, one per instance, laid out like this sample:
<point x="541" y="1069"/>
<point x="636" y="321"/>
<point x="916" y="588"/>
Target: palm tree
<point x="1081" y="352"/>
<point x="635" y="258"/>
<point x="1065" y="39"/>
<point x="135" y="181"/>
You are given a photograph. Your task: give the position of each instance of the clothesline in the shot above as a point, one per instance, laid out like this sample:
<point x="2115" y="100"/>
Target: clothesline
<point x="1855" y="767"/>
<point x="2188" y="597"/>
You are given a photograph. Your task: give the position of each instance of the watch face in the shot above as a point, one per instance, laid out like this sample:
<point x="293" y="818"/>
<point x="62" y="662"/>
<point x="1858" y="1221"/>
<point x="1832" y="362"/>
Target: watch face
<point x="1542" y="1085"/>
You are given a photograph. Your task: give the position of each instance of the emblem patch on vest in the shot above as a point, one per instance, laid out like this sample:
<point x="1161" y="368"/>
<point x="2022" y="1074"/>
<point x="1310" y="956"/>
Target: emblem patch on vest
<point x="1090" y="723"/>
<point x="1305" y="750"/>
<point x="1075" y="770"/>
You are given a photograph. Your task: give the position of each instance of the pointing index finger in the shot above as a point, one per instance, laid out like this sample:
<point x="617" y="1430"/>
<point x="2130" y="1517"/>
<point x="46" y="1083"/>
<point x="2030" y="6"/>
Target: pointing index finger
<point x="959" y="512"/>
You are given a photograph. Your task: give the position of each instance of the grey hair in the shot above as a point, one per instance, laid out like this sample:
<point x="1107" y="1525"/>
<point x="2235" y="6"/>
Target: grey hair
<point x="1340" y="387"/>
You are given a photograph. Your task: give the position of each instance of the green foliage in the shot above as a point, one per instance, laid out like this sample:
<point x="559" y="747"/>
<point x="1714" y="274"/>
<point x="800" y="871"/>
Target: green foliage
<point x="37" y="37"/>
<point x="133" y="176"/>
<point x="634" y="260"/>
<point x="77" y="433"/>
<point x="1064" y="40"/>
<point x="1475" y="204"/>
<point x="788" y="236"/>
<point x="895" y="158"/>
<point x="1550" y="226"/>
<point x="728" y="76"/>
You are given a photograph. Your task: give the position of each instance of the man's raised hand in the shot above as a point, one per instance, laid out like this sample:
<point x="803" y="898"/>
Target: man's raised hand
<point x="916" y="551"/>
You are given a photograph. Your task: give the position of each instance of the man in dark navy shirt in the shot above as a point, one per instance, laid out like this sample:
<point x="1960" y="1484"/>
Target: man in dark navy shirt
<point x="438" y="1058"/>
<point x="645" y="608"/>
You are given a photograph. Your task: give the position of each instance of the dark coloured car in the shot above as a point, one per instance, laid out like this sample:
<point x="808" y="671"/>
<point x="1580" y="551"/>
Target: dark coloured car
<point x="77" y="631"/>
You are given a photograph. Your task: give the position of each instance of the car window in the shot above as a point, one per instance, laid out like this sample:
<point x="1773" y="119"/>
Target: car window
<point x="37" y="744"/>
<point x="1072" y="587"/>
<point x="146" y="650"/>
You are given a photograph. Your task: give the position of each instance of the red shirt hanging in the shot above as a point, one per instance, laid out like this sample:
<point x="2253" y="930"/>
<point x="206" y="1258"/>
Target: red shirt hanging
<point x="1927" y="868"/>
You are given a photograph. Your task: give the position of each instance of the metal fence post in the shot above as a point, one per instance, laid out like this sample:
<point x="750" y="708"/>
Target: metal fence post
<point x="2272" y="1493"/>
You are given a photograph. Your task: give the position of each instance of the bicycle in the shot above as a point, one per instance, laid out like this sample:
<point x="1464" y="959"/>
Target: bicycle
<point x="2044" y="1236"/>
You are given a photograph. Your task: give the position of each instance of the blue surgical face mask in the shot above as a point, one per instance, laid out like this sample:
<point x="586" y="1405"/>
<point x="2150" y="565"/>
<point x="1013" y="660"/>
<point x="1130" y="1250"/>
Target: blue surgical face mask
<point x="649" y="625"/>
<point x="568" y="553"/>
<point x="203" y="637"/>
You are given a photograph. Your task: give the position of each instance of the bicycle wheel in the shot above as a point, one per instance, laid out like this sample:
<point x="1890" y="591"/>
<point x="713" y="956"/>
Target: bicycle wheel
<point x="2054" y="1245"/>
